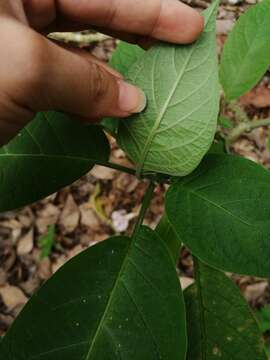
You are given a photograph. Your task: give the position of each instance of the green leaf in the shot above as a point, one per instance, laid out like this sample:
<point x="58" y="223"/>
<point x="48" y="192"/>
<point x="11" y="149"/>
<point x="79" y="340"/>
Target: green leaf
<point x="218" y="147"/>
<point x="181" y="82"/>
<point x="165" y="230"/>
<point x="221" y="212"/>
<point x="51" y="152"/>
<point x="220" y="323"/>
<point x="120" y="299"/>
<point x="263" y="316"/>
<point x="46" y="242"/>
<point x="123" y="57"/>
<point x="225" y="122"/>
<point x="246" y="54"/>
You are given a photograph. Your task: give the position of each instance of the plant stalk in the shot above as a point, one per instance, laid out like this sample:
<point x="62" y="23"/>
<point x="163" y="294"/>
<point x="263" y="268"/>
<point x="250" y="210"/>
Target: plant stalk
<point x="118" y="167"/>
<point x="145" y="205"/>
<point x="245" y="127"/>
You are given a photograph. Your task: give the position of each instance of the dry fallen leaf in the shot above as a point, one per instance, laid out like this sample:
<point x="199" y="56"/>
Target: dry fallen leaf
<point x="3" y="277"/>
<point x="70" y="216"/>
<point x="224" y="26"/>
<point x="258" y="97"/>
<point x="254" y="291"/>
<point x="60" y="261"/>
<point x="44" y="269"/>
<point x="26" y="243"/>
<point x="186" y="282"/>
<point x="47" y="216"/>
<point x="103" y="173"/>
<point x="88" y="217"/>
<point x="12" y="297"/>
<point x="7" y="255"/>
<point x="26" y="218"/>
<point x="31" y="285"/>
<point x="75" y="251"/>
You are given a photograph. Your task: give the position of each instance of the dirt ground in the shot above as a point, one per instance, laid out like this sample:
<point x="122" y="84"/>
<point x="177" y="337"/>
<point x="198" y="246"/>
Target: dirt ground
<point x="106" y="202"/>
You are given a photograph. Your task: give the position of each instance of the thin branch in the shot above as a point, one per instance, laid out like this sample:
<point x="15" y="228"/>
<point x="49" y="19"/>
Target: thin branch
<point x="240" y="114"/>
<point x="245" y="127"/>
<point x="118" y="167"/>
<point x="145" y="205"/>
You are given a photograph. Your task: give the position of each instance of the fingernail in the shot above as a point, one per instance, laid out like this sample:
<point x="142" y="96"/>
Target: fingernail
<point x="131" y="99"/>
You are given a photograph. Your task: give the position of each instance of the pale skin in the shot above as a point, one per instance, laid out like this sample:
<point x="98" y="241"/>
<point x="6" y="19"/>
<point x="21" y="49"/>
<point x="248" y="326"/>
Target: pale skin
<point x="36" y="74"/>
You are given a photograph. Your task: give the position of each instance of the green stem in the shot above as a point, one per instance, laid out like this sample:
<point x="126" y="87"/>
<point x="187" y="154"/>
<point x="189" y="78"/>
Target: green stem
<point x="118" y="167"/>
<point x="245" y="127"/>
<point x="240" y="114"/>
<point x="145" y="205"/>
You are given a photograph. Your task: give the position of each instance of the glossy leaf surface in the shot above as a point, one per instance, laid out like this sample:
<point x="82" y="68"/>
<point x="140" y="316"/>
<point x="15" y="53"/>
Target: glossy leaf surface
<point x="51" y="152"/>
<point x="177" y="128"/>
<point x="165" y="230"/>
<point x="120" y="299"/>
<point x="221" y="212"/>
<point x="220" y="323"/>
<point x="246" y="54"/>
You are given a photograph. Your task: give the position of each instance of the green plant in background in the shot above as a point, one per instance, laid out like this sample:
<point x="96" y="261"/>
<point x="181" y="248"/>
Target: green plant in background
<point x="263" y="316"/>
<point x="46" y="242"/>
<point x="121" y="299"/>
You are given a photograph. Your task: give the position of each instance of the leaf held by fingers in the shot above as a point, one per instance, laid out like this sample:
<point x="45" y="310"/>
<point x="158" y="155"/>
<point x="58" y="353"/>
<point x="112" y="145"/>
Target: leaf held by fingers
<point x="181" y="82"/>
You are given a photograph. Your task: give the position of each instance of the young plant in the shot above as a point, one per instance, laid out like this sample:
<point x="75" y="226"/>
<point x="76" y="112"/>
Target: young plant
<point x="121" y="299"/>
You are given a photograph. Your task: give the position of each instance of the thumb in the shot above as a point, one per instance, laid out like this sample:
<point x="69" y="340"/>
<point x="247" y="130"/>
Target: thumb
<point x="77" y="83"/>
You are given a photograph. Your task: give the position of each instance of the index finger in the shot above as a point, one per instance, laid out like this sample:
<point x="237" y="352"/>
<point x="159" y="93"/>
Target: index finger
<point x="168" y="20"/>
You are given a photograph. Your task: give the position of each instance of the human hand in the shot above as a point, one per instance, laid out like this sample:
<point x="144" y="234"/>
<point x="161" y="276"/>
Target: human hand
<point x="38" y="75"/>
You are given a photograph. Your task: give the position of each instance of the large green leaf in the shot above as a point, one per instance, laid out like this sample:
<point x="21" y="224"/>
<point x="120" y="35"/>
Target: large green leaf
<point x="220" y="323"/>
<point x="181" y="82"/>
<point x="120" y="299"/>
<point x="221" y="212"/>
<point x="165" y="230"/>
<point x="123" y="57"/>
<point x="50" y="153"/>
<point x="246" y="54"/>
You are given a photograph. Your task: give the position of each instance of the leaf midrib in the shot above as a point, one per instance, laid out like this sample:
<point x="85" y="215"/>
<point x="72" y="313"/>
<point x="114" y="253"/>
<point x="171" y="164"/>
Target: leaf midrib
<point x="111" y="297"/>
<point x="57" y="157"/>
<point x="161" y="115"/>
<point x="216" y="205"/>
<point x="163" y="111"/>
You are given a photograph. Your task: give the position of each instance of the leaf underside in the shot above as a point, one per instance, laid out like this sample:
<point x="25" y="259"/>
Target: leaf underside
<point x="220" y="323"/>
<point x="51" y="152"/>
<point x="221" y="212"/>
<point x="120" y="299"/>
<point x="181" y="82"/>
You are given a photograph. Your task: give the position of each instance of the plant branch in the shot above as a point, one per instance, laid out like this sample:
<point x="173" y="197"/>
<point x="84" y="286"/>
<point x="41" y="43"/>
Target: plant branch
<point x="240" y="114"/>
<point x="118" y="167"/>
<point x="145" y="205"/>
<point x="243" y="127"/>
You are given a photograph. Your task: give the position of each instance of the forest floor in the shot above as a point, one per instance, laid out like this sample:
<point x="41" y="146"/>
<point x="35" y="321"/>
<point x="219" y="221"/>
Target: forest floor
<point x="106" y="202"/>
